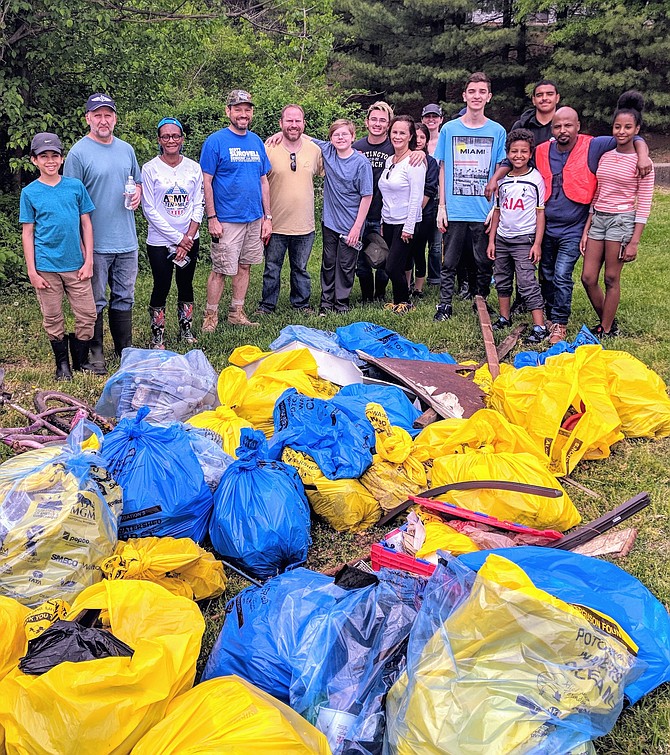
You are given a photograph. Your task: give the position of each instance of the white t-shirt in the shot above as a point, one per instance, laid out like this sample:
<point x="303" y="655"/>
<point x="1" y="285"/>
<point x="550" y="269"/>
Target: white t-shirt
<point x="401" y="186"/>
<point x="171" y="198"/>
<point x="518" y="199"/>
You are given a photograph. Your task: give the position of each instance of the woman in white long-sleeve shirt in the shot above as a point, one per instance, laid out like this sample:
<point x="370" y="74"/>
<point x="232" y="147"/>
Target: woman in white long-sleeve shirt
<point x="173" y="203"/>
<point x="401" y="186"/>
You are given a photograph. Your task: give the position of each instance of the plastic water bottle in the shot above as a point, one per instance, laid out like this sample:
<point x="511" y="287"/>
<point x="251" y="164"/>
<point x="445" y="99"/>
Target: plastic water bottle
<point x="129" y="192"/>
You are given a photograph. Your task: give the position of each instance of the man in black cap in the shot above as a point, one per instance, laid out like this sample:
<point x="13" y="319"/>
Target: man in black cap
<point x="104" y="163"/>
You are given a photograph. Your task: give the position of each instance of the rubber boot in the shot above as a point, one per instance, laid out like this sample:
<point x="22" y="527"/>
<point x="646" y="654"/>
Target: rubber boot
<point x="121" y="328"/>
<point x="79" y="354"/>
<point x="185" y="315"/>
<point x="62" y="361"/>
<point x="96" y="354"/>
<point x="157" y="315"/>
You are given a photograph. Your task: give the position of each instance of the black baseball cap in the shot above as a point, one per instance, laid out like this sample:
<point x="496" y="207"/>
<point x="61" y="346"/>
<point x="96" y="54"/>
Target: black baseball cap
<point x="99" y="100"/>
<point x="45" y="142"/>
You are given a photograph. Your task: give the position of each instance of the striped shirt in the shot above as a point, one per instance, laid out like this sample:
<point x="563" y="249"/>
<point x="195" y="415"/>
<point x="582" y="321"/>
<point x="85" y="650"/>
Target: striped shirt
<point x="619" y="188"/>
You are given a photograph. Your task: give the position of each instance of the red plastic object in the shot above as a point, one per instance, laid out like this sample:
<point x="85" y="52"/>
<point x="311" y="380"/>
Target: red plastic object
<point x="450" y="511"/>
<point x="382" y="556"/>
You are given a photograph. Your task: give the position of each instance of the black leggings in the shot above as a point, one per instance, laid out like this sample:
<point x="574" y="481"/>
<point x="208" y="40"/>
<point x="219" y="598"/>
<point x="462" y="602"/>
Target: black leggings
<point x="162" y="268"/>
<point x="423" y="233"/>
<point x="396" y="262"/>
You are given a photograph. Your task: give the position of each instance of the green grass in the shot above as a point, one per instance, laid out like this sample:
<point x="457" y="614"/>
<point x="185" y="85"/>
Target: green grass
<point x="634" y="466"/>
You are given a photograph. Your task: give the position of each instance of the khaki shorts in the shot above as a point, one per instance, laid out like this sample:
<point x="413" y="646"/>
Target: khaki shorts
<point x="240" y="244"/>
<point x="608" y="226"/>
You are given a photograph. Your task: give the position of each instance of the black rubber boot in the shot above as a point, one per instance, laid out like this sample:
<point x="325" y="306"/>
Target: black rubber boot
<point x="121" y="328"/>
<point x="96" y="354"/>
<point x="79" y="355"/>
<point x="185" y="315"/>
<point x="157" y="315"/>
<point x="61" y="357"/>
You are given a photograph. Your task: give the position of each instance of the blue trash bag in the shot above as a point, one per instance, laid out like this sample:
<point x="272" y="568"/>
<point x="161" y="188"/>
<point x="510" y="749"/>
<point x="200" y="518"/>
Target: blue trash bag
<point x="324" y="340"/>
<point x="164" y="489"/>
<point x="352" y="400"/>
<point x="175" y="387"/>
<point x="339" y="446"/>
<point x="536" y="358"/>
<point x="382" y="342"/>
<point x="604" y="587"/>
<point x="262" y="636"/>
<point x="261" y="516"/>
<point x="354" y="653"/>
<point x="213" y="460"/>
<point x="502" y="683"/>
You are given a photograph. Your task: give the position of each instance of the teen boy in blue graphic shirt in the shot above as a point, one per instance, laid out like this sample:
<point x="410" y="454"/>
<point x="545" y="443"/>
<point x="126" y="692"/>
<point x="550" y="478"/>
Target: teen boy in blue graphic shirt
<point x="469" y="150"/>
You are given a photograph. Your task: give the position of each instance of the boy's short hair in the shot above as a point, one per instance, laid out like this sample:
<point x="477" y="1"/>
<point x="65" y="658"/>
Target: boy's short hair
<point x="288" y="107"/>
<point x="339" y="123"/>
<point x="544" y="83"/>
<point x="380" y="105"/>
<point x="476" y="78"/>
<point x="520" y="135"/>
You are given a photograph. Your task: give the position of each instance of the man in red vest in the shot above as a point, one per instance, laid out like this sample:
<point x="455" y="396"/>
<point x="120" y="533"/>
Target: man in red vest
<point x="568" y="165"/>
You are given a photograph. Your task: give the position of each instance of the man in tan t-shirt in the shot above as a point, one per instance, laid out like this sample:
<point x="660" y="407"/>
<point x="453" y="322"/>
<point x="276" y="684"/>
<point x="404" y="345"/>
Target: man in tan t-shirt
<point x="295" y="162"/>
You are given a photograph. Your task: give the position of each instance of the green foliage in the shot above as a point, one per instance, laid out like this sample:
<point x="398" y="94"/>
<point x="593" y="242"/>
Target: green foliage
<point x="13" y="274"/>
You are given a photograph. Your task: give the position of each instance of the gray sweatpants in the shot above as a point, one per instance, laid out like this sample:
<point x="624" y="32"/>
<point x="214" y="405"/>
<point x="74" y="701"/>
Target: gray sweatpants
<point x="512" y="257"/>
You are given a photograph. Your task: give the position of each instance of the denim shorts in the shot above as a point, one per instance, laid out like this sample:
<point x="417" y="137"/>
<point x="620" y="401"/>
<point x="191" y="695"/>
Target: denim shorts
<point x="608" y="226"/>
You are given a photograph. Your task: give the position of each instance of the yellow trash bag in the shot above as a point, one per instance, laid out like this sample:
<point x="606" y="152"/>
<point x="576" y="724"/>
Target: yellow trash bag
<point x="59" y="510"/>
<point x="564" y="405"/>
<point x="508" y="669"/>
<point x="104" y="706"/>
<point x="397" y="470"/>
<point x="441" y="537"/>
<point x="14" y="641"/>
<point x="230" y="715"/>
<point x="225" y="420"/>
<point x="42" y="617"/>
<point x="524" y="508"/>
<point x="345" y="504"/>
<point x="639" y="396"/>
<point x="485" y="429"/>
<point x="179" y="564"/>
<point x="274" y="361"/>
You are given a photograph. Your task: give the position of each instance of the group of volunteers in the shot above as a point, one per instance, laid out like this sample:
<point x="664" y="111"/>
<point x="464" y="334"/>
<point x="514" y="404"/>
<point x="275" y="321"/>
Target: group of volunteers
<point x="479" y="201"/>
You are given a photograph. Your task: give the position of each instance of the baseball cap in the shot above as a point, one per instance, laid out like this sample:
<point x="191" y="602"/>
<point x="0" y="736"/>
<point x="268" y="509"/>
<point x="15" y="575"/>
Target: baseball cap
<point x="46" y="142"/>
<point x="98" y="100"/>
<point x="239" y="97"/>
<point x="431" y="109"/>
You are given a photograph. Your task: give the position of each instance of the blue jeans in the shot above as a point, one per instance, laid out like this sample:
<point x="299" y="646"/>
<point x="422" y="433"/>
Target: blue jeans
<point x="120" y="272"/>
<point x="559" y="257"/>
<point x="299" y="248"/>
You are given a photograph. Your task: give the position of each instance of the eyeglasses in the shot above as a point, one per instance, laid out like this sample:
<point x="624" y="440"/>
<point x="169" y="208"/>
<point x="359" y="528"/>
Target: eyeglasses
<point x="388" y="172"/>
<point x="171" y="138"/>
<point x="294" y="163"/>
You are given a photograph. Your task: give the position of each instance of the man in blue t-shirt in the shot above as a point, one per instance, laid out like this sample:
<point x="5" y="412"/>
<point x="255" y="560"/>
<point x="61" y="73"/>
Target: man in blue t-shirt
<point x="469" y="150"/>
<point x="102" y="162"/>
<point x="237" y="202"/>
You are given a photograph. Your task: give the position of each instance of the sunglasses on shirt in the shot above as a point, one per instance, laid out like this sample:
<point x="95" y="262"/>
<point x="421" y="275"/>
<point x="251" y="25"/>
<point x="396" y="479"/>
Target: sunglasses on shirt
<point x="294" y="161"/>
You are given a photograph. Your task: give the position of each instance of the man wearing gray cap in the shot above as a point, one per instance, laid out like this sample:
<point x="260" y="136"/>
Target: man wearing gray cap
<point x="237" y="202"/>
<point x="103" y="163"/>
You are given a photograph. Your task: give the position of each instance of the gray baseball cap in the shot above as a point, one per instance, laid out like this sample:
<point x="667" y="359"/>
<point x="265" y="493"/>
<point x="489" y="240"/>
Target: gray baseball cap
<point x="99" y="100"/>
<point x="239" y="97"/>
<point x="45" y="142"/>
<point x="431" y="109"/>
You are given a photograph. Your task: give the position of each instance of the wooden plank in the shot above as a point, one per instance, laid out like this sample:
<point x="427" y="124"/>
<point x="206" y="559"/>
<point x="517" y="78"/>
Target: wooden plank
<point x="487" y="334"/>
<point x="507" y="344"/>
<point x="616" y="544"/>
<point x="432" y="382"/>
<point x="427" y="418"/>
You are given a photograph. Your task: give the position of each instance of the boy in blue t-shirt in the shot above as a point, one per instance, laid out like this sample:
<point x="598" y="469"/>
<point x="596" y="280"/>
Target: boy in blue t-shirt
<point x="57" y="238"/>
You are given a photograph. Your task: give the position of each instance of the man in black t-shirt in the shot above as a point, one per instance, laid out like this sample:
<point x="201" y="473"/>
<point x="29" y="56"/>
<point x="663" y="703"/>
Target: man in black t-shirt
<point x="376" y="146"/>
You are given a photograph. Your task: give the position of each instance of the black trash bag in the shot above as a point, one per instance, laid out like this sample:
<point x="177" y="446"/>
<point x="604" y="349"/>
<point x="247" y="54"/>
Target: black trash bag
<point x="354" y="655"/>
<point x="70" y="641"/>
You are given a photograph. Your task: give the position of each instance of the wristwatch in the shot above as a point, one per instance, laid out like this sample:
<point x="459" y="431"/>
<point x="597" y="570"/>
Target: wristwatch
<point x="268" y="217"/>
<point x="211" y="217"/>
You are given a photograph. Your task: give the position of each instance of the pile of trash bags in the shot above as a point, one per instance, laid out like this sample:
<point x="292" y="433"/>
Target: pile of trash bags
<point x="108" y="543"/>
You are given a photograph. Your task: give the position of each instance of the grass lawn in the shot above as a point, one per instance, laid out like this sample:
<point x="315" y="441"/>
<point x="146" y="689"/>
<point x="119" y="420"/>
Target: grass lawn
<point x="634" y="466"/>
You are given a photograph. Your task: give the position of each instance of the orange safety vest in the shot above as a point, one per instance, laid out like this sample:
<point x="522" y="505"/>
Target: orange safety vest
<point x="579" y="183"/>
